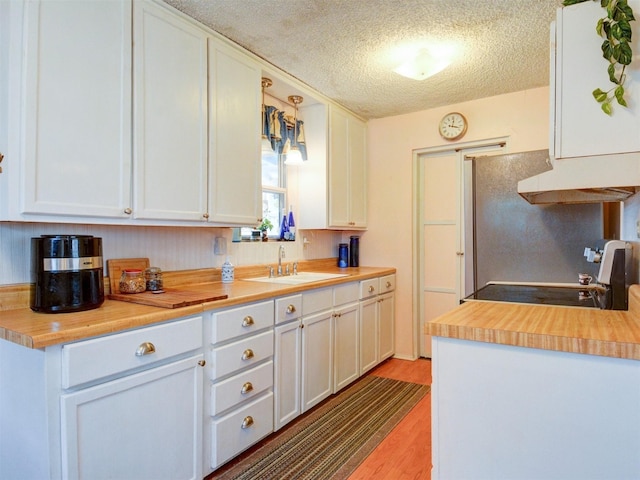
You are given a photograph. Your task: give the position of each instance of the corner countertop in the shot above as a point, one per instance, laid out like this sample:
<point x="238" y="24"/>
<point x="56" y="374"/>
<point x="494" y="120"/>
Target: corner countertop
<point x="39" y="330"/>
<point x="608" y="333"/>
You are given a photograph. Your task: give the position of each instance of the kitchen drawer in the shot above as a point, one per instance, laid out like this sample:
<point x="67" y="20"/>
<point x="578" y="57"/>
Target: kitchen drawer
<point x="345" y="293"/>
<point x="243" y="353"/>
<point x="317" y="300"/>
<point x="369" y="288"/>
<point x="90" y="360"/>
<point x="387" y="283"/>
<point x="228" y="437"/>
<point x="229" y="392"/>
<point x="239" y="321"/>
<point x="288" y="308"/>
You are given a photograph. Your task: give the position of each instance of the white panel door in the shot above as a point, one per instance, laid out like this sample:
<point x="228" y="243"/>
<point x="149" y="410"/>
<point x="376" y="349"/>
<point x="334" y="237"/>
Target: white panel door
<point x="147" y="425"/>
<point x="346" y="346"/>
<point x="77" y="108"/>
<point x="170" y="116"/>
<point x="317" y="358"/>
<point x="287" y="378"/>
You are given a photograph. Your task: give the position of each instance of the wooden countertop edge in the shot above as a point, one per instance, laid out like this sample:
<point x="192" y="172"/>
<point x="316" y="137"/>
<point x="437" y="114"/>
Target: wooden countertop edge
<point x="605" y="333"/>
<point x="38" y="330"/>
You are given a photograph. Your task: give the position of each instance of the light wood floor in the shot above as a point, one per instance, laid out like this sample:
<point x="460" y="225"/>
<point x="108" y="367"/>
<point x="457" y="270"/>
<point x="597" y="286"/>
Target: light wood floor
<point x="406" y="452"/>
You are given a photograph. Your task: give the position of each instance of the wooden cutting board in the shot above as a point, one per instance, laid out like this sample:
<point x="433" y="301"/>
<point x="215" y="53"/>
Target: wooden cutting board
<point x="171" y="298"/>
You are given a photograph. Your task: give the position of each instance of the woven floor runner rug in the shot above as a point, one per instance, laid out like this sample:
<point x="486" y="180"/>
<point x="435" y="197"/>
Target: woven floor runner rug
<point x="334" y="438"/>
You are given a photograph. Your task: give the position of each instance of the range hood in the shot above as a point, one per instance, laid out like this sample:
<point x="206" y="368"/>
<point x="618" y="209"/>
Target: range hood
<point x="602" y="178"/>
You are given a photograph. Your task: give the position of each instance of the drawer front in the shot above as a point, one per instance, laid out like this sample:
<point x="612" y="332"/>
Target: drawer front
<point x="345" y="293"/>
<point x="93" y="359"/>
<point x="237" y="389"/>
<point x="369" y="288"/>
<point x="317" y="300"/>
<point x="228" y="437"/>
<point x="241" y="321"/>
<point x="241" y="354"/>
<point x="288" y="308"/>
<point x="387" y="283"/>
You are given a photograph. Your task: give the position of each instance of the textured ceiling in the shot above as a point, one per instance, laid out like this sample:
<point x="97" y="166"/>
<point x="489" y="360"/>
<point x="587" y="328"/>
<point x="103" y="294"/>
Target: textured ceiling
<point x="347" y="49"/>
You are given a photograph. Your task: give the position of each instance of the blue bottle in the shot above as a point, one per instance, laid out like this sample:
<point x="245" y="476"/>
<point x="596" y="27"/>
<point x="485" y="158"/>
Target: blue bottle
<point x="291" y="224"/>
<point x="284" y="227"/>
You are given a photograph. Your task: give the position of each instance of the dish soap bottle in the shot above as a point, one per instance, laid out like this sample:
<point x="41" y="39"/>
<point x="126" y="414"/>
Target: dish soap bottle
<point x="292" y="224"/>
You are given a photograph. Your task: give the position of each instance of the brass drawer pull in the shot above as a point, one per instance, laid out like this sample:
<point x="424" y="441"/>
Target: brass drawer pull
<point x="247" y="422"/>
<point x="291" y="308"/>
<point x="388" y="284"/>
<point x="247" y="321"/>
<point x="246" y="388"/>
<point x="145" y="348"/>
<point x="202" y="363"/>
<point x="371" y="289"/>
<point x="247" y="354"/>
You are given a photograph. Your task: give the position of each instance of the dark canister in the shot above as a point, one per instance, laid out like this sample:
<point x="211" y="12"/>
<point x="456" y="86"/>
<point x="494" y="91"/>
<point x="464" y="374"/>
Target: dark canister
<point x="354" y="251"/>
<point x="343" y="255"/>
<point x="67" y="273"/>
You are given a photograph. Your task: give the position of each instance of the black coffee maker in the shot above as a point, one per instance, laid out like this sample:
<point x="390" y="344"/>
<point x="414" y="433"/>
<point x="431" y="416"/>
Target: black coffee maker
<point x="67" y="273"/>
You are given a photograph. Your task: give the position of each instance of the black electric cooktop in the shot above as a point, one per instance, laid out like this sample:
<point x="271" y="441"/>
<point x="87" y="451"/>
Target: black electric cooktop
<point x="569" y="296"/>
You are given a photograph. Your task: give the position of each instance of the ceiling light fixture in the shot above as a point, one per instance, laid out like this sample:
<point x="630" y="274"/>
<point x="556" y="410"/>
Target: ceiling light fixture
<point x="423" y="65"/>
<point x="266" y="148"/>
<point x="294" y="157"/>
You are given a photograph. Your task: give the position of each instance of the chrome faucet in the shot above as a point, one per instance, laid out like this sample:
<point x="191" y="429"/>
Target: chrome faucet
<point x="280" y="257"/>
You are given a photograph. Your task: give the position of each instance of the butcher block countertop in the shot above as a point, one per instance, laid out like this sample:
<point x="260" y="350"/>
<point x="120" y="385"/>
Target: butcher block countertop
<point x="590" y="331"/>
<point x="39" y="330"/>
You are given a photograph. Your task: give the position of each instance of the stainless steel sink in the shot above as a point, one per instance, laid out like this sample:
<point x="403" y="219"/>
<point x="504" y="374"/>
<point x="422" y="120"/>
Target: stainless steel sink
<point x="300" y="278"/>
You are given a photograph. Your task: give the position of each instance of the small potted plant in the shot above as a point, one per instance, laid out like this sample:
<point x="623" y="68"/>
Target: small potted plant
<point x="265" y="227"/>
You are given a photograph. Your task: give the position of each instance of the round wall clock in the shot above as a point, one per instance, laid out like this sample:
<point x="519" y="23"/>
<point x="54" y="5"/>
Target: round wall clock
<point x="453" y="126"/>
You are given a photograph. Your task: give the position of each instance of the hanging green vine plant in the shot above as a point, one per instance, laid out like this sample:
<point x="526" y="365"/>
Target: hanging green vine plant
<point x="615" y="28"/>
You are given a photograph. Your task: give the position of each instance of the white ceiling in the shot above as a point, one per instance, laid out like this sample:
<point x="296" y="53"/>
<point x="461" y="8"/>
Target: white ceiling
<point x="345" y="48"/>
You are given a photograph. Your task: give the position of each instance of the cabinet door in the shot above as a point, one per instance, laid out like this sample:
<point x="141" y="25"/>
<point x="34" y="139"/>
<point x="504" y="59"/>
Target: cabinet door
<point x="581" y="128"/>
<point x="234" y="143"/>
<point x="357" y="173"/>
<point x="338" y="168"/>
<point x="77" y="109"/>
<point x="287" y="359"/>
<point x="386" y="325"/>
<point x="317" y="358"/>
<point x="347" y="170"/>
<point x="346" y="346"/>
<point x="170" y="116"/>
<point x="147" y="425"/>
<point x="368" y="334"/>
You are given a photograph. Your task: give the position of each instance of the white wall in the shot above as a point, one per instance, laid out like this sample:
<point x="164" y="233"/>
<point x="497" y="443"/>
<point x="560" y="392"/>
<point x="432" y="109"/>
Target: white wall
<point x="521" y="116"/>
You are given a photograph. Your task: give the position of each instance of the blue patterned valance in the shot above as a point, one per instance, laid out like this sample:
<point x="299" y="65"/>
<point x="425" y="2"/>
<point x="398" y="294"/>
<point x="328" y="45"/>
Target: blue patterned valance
<point x="279" y="129"/>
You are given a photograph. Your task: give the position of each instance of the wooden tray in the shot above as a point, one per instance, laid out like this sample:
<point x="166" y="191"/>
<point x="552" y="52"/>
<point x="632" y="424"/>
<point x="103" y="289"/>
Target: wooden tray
<point x="171" y="298"/>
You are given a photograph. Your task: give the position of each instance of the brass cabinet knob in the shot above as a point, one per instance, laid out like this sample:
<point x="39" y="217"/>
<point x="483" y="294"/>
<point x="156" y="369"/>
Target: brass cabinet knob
<point x="247" y="354"/>
<point x="371" y="288"/>
<point x="247" y="422"/>
<point x="247" y="321"/>
<point x="146" y="348"/>
<point x="388" y="284"/>
<point x="205" y="216"/>
<point x="202" y="363"/>
<point x="246" y="388"/>
<point x="127" y="211"/>
<point x="291" y="308"/>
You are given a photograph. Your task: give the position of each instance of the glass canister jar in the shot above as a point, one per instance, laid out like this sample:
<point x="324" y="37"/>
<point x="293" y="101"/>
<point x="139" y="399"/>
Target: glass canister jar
<point x="153" y="277"/>
<point x="132" y="281"/>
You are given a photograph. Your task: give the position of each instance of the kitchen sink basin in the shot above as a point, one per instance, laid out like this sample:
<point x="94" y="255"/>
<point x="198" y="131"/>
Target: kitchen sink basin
<point x="299" y="279"/>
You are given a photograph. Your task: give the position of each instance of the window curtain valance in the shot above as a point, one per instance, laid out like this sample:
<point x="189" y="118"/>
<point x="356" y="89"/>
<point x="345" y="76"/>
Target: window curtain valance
<point x="279" y="129"/>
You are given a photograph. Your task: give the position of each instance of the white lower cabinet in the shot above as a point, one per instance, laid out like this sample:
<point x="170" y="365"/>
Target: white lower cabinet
<point x="239" y="394"/>
<point x="377" y="321"/>
<point x="316" y="349"/>
<point x="121" y="406"/>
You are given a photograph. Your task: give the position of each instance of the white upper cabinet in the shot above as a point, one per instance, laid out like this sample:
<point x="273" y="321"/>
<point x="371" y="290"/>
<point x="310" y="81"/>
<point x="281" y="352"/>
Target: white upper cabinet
<point x="580" y="128"/>
<point x="333" y="183"/>
<point x="170" y="116"/>
<point x="234" y="137"/>
<point x="347" y="170"/>
<point x="70" y="134"/>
